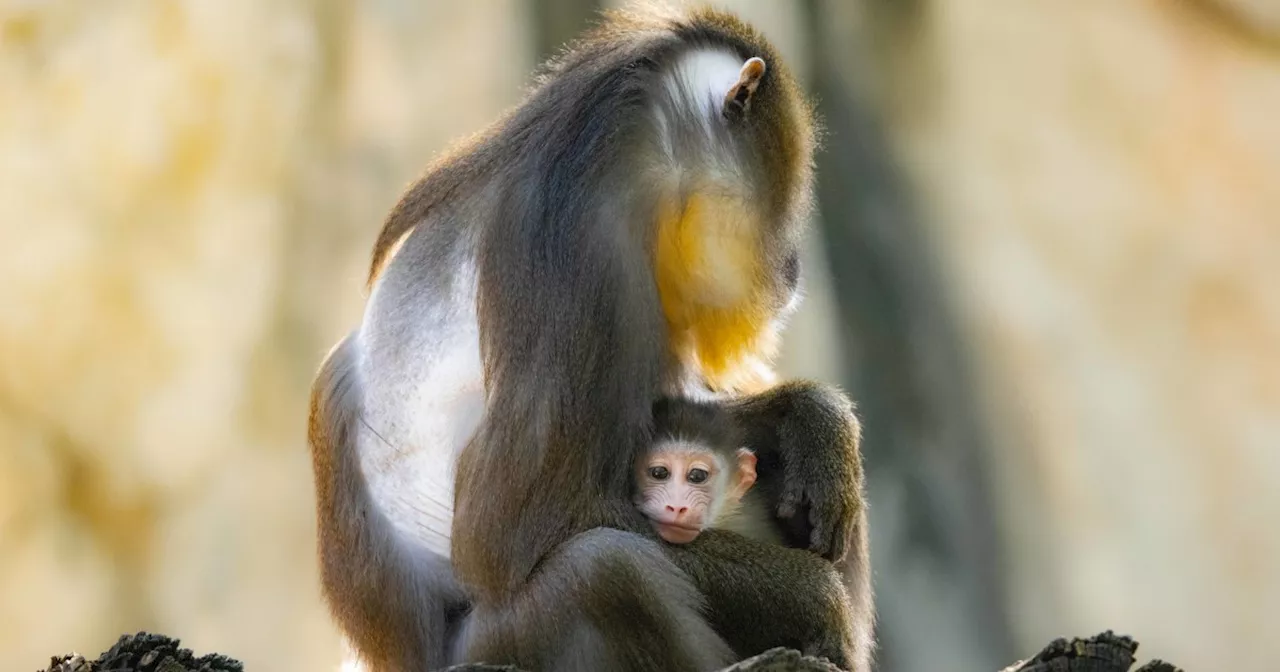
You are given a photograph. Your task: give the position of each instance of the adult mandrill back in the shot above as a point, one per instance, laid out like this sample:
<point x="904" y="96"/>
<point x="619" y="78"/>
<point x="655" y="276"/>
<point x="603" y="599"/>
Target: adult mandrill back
<point x="628" y="232"/>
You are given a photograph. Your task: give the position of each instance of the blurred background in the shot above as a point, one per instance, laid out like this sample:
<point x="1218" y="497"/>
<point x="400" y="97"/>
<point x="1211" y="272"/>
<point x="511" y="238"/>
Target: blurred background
<point x="1046" y="262"/>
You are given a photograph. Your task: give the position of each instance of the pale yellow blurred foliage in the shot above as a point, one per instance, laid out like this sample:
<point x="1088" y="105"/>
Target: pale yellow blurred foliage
<point x="188" y="192"/>
<point x="1106" y="181"/>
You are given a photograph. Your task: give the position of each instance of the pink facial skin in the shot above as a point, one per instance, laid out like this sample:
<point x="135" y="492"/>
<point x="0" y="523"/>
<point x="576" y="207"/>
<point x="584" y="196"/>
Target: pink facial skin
<point x="683" y="489"/>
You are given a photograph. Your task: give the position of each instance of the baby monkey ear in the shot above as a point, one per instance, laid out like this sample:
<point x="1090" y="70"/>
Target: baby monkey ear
<point x="738" y="100"/>
<point x="746" y="472"/>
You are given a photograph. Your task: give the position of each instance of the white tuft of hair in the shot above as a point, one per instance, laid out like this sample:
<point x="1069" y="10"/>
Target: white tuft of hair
<point x="702" y="77"/>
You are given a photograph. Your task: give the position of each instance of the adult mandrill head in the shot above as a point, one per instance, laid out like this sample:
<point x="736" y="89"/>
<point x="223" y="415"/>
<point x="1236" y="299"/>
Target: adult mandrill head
<point x="731" y="166"/>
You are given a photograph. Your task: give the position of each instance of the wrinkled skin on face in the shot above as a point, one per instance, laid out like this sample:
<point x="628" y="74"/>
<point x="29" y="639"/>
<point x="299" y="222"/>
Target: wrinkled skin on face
<point x="685" y="488"/>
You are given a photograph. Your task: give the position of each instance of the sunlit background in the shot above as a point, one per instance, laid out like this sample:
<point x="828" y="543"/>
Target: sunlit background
<point x="1046" y="262"/>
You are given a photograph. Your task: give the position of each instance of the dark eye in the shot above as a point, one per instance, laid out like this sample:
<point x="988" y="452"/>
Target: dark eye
<point x="659" y="473"/>
<point x="698" y="475"/>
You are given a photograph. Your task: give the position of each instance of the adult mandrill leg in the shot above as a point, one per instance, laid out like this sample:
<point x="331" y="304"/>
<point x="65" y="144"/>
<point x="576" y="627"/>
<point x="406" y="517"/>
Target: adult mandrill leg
<point x="395" y="600"/>
<point x="761" y="595"/>
<point x="604" y="600"/>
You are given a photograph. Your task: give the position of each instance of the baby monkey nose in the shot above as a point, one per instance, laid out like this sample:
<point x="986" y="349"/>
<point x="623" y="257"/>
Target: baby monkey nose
<point x="680" y="511"/>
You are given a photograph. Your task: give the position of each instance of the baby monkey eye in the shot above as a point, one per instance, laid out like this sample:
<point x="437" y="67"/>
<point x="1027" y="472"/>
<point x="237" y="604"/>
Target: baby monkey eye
<point x="698" y="475"/>
<point x="659" y="473"/>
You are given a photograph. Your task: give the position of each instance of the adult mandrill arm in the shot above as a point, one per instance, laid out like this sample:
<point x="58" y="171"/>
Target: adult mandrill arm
<point x="807" y="437"/>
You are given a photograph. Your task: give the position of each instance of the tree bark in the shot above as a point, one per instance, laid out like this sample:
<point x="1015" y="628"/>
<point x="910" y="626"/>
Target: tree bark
<point x="145" y="652"/>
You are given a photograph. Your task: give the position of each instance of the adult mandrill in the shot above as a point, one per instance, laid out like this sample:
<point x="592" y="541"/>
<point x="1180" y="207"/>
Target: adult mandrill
<point x="628" y="232"/>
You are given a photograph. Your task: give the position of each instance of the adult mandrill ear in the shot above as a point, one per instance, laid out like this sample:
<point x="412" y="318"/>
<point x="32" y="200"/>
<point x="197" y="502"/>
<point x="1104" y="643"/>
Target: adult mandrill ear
<point x="738" y="100"/>
<point x="746" y="473"/>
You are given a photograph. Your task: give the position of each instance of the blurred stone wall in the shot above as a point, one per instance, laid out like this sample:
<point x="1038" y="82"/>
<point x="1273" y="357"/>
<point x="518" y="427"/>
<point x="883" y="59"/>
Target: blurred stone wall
<point x="1103" y="179"/>
<point x="188" y="196"/>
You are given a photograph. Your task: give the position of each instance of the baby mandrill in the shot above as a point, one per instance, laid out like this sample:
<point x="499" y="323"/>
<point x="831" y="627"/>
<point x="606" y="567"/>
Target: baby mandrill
<point x="698" y="475"/>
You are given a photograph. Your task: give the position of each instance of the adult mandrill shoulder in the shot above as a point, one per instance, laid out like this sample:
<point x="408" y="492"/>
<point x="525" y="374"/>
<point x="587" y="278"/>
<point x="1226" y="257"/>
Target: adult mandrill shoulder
<point x="628" y="232"/>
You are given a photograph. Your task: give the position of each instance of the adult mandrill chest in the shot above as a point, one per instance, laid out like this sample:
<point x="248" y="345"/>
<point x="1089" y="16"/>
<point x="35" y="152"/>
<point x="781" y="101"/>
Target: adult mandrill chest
<point x="713" y="285"/>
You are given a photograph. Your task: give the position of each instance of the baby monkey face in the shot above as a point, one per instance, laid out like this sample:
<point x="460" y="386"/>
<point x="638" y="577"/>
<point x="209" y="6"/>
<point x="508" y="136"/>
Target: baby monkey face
<point x="684" y="489"/>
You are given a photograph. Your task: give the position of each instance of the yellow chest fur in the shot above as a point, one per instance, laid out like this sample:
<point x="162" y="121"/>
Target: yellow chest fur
<point x="711" y="281"/>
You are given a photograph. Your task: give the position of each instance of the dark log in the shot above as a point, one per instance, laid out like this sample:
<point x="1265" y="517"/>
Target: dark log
<point x="1107" y="652"/>
<point x="144" y="652"/>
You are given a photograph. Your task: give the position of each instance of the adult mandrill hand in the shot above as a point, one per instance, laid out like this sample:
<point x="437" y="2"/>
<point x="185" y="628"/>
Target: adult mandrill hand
<point x="813" y="435"/>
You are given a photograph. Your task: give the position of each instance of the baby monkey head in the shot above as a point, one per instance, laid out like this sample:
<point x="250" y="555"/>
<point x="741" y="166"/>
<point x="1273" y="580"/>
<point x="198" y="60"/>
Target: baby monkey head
<point x="696" y="472"/>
